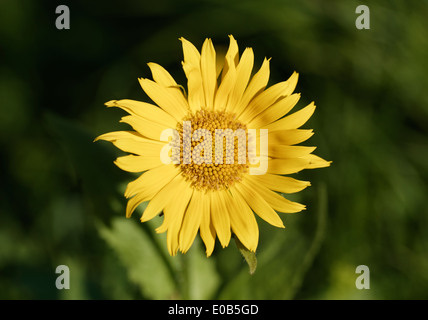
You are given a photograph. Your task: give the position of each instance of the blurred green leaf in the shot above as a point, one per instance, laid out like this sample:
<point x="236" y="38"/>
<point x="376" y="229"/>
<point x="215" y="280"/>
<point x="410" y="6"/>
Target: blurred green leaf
<point x="141" y="258"/>
<point x="201" y="273"/>
<point x="249" y="256"/>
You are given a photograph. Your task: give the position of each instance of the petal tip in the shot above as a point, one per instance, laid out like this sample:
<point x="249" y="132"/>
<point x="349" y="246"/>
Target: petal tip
<point x="111" y="103"/>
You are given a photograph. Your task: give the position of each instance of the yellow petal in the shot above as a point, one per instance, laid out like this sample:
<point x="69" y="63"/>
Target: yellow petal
<point x="132" y="142"/>
<point x="167" y="194"/>
<point x="276" y="201"/>
<point x="117" y="135"/>
<point x="287" y="166"/>
<point x="147" y="128"/>
<point x="225" y="89"/>
<point x="133" y="203"/>
<point x="242" y="221"/>
<point x="288" y="137"/>
<point x="133" y="163"/>
<point x="228" y="76"/>
<point x="207" y="230"/>
<point x="259" y="205"/>
<point x="282" y="138"/>
<point x="220" y="217"/>
<point x="144" y="110"/>
<point x="191" y="54"/>
<point x="166" y="98"/>
<point x="123" y="135"/>
<point x="243" y="73"/>
<point x="232" y="56"/>
<point x="151" y="182"/>
<point x="294" y="120"/>
<point x="148" y="185"/>
<point x="161" y="76"/>
<point x="274" y="112"/>
<point x="175" y="212"/>
<point x="280" y="183"/>
<point x="208" y="72"/>
<point x="196" y="96"/>
<point x="316" y="162"/>
<point x="192" y="69"/>
<point x="269" y="97"/>
<point x="257" y="84"/>
<point x="288" y="152"/>
<point x="191" y="222"/>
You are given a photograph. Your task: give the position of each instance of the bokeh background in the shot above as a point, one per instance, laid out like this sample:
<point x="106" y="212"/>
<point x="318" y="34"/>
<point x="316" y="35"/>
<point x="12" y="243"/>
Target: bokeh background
<point x="61" y="197"/>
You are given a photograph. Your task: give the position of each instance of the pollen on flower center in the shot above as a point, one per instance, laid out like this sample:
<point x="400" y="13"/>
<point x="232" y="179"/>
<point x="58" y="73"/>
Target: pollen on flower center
<point x="217" y="144"/>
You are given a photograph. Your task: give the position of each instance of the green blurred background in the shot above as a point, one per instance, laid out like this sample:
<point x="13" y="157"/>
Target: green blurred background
<point x="61" y="199"/>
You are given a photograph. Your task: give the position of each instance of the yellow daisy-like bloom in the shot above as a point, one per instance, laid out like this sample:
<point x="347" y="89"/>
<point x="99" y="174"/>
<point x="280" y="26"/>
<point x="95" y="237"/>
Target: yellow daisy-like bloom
<point x="219" y="195"/>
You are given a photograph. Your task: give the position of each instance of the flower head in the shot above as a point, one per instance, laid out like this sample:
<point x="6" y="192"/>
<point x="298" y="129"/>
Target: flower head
<point x="213" y="157"/>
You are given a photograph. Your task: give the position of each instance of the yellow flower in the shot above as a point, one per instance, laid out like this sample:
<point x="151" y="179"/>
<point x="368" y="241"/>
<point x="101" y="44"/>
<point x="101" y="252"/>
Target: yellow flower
<point x="196" y="180"/>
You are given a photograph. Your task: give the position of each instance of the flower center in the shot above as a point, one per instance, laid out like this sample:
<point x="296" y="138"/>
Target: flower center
<point x="213" y="149"/>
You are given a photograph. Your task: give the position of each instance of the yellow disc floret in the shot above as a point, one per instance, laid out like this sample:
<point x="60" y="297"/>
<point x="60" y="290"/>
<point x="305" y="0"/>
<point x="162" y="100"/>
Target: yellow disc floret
<point x="213" y="149"/>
